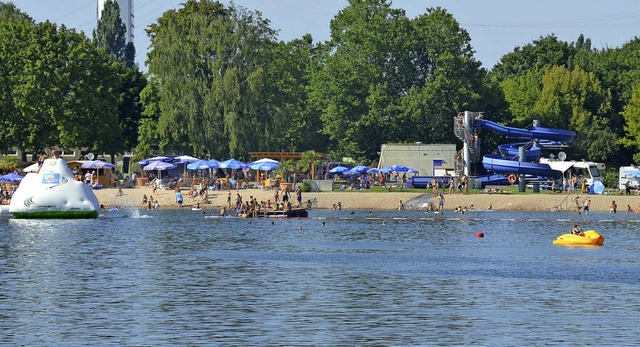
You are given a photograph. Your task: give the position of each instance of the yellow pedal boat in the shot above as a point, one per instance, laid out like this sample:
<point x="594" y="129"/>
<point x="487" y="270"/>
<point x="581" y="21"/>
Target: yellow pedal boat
<point x="587" y="238"/>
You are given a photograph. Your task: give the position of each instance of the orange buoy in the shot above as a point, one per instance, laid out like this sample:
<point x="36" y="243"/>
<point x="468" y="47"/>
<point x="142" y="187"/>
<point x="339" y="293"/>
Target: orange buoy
<point x="512" y="178"/>
<point x="479" y="234"/>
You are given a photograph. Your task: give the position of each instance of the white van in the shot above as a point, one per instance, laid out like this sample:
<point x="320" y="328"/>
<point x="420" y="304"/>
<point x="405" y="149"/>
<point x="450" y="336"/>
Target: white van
<point x="629" y="174"/>
<point x="592" y="171"/>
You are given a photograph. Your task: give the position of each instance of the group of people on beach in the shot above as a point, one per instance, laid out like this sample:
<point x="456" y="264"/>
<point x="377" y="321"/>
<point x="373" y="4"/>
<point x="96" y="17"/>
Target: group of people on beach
<point x="150" y="203"/>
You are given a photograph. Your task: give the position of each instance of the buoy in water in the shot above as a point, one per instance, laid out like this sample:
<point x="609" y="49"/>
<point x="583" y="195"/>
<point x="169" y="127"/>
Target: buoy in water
<point x="479" y="234"/>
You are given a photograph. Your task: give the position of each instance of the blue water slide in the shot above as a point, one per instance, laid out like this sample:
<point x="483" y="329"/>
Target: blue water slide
<point x="507" y="160"/>
<point x="551" y="134"/>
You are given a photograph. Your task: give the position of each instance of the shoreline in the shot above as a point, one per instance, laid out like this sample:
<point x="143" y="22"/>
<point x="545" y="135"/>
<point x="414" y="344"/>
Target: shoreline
<point x="545" y="201"/>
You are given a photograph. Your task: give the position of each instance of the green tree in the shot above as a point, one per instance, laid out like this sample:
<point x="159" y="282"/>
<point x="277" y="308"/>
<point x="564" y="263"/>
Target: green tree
<point x="631" y="115"/>
<point x="289" y="121"/>
<point x="9" y="12"/>
<point x="308" y="160"/>
<point x="365" y="41"/>
<point x="56" y="89"/>
<point x="576" y="99"/>
<point x="540" y="55"/>
<point x="209" y="62"/>
<point x="148" y="136"/>
<point x="391" y="79"/>
<point x="110" y="33"/>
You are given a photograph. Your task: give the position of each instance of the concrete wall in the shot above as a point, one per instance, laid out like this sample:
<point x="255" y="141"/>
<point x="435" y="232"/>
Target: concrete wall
<point x="417" y="155"/>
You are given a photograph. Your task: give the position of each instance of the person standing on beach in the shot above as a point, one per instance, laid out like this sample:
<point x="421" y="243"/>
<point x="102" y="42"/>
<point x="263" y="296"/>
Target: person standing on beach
<point x="613" y="208"/>
<point x="179" y="198"/>
<point x="440" y="202"/>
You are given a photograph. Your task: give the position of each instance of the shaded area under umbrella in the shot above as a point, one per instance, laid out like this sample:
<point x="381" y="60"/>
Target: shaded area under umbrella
<point x="158" y="166"/>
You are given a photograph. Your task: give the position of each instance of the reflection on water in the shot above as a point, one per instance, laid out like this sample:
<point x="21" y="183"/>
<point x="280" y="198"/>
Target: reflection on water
<point x="172" y="277"/>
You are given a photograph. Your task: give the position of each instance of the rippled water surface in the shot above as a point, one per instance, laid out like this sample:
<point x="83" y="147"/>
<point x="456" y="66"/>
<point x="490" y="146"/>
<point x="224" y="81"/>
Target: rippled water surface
<point x="173" y="277"/>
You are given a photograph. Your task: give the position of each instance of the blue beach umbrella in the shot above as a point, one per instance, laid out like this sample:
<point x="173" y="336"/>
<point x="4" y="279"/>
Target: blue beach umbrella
<point x="264" y="166"/>
<point x="264" y="161"/>
<point x="399" y="168"/>
<point x="214" y="164"/>
<point x="339" y="169"/>
<point x="186" y="159"/>
<point x="357" y="170"/>
<point x="150" y="160"/>
<point x="201" y="165"/>
<point x="232" y="164"/>
<point x="11" y="177"/>
<point x="158" y="166"/>
<point x="97" y="164"/>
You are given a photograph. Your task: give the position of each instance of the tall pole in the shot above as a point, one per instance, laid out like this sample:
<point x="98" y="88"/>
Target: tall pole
<point x="466" y="149"/>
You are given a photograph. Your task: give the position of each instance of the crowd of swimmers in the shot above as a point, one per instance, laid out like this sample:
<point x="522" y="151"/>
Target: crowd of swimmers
<point x="253" y="208"/>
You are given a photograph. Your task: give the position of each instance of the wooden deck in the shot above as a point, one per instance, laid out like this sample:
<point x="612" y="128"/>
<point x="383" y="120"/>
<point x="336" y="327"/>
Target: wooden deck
<point x="293" y="213"/>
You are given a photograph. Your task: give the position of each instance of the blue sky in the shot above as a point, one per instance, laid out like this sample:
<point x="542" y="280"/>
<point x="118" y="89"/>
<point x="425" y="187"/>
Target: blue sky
<point x="496" y="26"/>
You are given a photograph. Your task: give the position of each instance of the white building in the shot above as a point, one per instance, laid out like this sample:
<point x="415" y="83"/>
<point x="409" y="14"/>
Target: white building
<point x="126" y="14"/>
<point x="428" y="159"/>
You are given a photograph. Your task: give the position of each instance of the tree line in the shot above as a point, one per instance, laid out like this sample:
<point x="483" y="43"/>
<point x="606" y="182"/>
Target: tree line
<point x="220" y="84"/>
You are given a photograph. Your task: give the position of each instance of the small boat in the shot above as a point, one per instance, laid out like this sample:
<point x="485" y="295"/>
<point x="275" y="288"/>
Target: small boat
<point x="587" y="238"/>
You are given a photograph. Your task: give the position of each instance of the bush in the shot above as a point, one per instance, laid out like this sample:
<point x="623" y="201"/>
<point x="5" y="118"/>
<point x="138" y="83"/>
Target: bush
<point x="305" y="187"/>
<point x="611" y="177"/>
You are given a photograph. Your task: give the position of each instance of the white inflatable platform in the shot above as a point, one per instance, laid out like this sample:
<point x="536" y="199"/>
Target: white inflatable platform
<point x="53" y="193"/>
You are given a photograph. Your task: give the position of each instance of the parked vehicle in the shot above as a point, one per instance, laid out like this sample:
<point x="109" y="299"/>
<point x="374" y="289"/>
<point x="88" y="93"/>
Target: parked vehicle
<point x="590" y="170"/>
<point x="629" y="175"/>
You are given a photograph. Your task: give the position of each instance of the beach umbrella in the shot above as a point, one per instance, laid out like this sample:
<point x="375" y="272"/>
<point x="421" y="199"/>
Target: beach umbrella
<point x="97" y="164"/>
<point x="386" y="169"/>
<point x="339" y="169"/>
<point x="31" y="168"/>
<point x="158" y="166"/>
<point x="357" y="170"/>
<point x="399" y="168"/>
<point x="11" y="177"/>
<point x="186" y="159"/>
<point x="373" y="171"/>
<point x="264" y="161"/>
<point x="150" y="160"/>
<point x="201" y="165"/>
<point x="412" y="170"/>
<point x="264" y="166"/>
<point x="213" y="164"/>
<point x="232" y="164"/>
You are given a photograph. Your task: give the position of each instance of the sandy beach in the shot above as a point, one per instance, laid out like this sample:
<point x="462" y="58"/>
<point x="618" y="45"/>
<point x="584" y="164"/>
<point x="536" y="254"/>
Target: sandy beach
<point x="545" y="201"/>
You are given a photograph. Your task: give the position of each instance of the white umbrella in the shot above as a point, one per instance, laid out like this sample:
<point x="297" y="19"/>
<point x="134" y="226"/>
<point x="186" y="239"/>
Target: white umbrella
<point x="186" y="159"/>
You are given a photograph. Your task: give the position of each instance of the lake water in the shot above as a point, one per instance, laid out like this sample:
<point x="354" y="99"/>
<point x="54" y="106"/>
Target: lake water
<point x="173" y="277"/>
